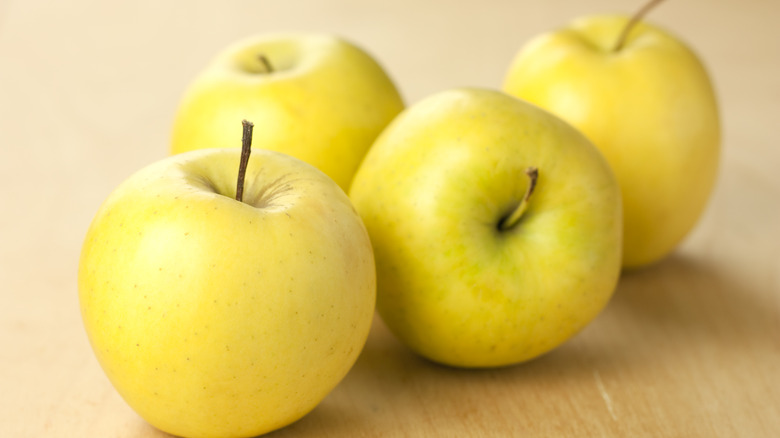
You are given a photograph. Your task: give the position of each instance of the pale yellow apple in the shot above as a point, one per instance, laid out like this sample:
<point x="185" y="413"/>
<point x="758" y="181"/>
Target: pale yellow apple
<point x="324" y="101"/>
<point x="649" y="107"/>
<point x="219" y="318"/>
<point x="455" y="281"/>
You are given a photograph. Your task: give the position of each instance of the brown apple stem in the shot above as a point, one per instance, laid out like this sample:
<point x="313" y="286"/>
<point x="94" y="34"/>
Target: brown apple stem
<point x="633" y="21"/>
<point x="266" y="63"/>
<point x="246" y="149"/>
<point x="512" y="220"/>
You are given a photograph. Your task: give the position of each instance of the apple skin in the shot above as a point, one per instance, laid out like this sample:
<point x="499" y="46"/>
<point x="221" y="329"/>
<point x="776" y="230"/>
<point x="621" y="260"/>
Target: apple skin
<point x="651" y="110"/>
<point x="431" y="192"/>
<point x="217" y="318"/>
<point x="324" y="103"/>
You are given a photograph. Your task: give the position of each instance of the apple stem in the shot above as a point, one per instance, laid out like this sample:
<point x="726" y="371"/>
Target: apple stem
<point x="246" y="149"/>
<point x="633" y="21"/>
<point x="266" y="63"/>
<point x="512" y="220"/>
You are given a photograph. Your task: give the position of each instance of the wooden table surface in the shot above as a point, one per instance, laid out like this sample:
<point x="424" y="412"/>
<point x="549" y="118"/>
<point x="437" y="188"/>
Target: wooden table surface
<point x="689" y="347"/>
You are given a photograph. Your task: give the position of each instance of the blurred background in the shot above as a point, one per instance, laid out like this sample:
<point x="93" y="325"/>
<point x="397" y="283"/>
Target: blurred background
<point x="88" y="90"/>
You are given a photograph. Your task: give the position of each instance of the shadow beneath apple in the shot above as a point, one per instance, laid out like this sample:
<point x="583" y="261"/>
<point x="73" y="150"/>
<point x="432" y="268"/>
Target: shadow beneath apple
<point x="390" y="390"/>
<point x="693" y="302"/>
<point x="682" y="309"/>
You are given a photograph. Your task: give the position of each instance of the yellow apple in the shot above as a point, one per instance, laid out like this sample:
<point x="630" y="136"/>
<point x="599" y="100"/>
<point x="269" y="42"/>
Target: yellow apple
<point x="316" y="97"/>
<point x="474" y="267"/>
<point x="219" y="318"/>
<point x="648" y="105"/>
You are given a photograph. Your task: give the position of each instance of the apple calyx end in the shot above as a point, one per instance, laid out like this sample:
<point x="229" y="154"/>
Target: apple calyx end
<point x="246" y="149"/>
<point x="509" y="222"/>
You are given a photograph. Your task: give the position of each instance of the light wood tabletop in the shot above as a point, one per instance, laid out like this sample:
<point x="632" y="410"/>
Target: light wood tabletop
<point x="689" y="347"/>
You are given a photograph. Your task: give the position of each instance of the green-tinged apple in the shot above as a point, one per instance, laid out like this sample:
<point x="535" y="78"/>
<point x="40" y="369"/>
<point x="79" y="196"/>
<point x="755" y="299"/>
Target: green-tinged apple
<point x="496" y="228"/>
<point x="646" y="101"/>
<point x="219" y="318"/>
<point x="316" y="97"/>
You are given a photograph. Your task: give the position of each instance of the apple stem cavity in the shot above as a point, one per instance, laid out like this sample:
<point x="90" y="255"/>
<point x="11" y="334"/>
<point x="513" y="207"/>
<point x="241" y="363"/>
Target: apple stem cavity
<point x="266" y="63"/>
<point x="246" y="149"/>
<point x="510" y="221"/>
<point x="633" y="21"/>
